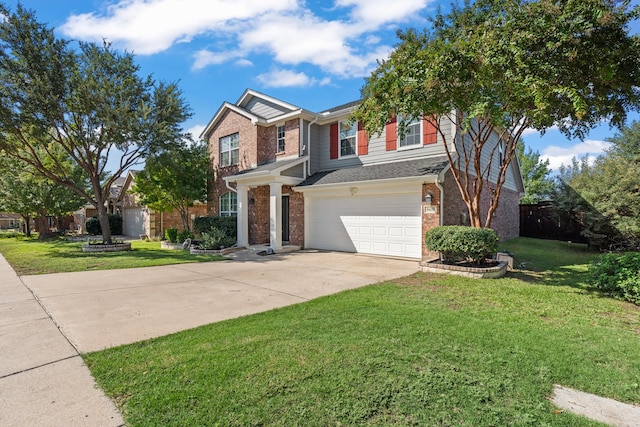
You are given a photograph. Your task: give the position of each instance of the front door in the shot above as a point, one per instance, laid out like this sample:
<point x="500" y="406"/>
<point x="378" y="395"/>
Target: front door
<point x="285" y="219"/>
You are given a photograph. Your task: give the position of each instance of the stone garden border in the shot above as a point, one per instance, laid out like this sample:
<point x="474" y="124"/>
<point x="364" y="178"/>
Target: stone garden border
<point x="195" y="251"/>
<point x="434" y="266"/>
<point x="114" y="247"/>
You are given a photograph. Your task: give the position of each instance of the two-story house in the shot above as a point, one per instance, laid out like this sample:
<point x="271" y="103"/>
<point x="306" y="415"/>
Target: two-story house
<point x="315" y="180"/>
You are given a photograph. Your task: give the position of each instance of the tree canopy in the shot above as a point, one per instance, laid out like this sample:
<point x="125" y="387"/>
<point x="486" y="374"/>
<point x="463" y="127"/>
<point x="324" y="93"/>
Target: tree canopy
<point x="494" y="68"/>
<point x="90" y="102"/>
<point x="174" y="180"/>
<point x="604" y="195"/>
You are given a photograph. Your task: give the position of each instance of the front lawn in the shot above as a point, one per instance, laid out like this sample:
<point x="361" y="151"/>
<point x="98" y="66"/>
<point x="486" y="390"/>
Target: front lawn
<point x="30" y="256"/>
<point x="421" y="350"/>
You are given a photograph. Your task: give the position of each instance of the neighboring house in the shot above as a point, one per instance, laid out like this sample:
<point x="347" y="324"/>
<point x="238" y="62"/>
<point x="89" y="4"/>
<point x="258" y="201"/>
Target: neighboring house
<point x="139" y="220"/>
<point x="315" y="180"/>
<point x="10" y="221"/>
<point x="81" y="216"/>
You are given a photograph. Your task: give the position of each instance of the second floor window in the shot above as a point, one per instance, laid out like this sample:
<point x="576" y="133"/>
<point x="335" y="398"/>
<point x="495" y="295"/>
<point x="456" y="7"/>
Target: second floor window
<point x="229" y="204"/>
<point x="347" y="132"/>
<point x="229" y="150"/>
<point x="412" y="133"/>
<point x="280" y="131"/>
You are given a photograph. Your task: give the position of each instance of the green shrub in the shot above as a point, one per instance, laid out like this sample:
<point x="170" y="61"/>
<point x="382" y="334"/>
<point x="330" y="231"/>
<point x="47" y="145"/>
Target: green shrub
<point x="617" y="275"/>
<point x="216" y="239"/>
<point x="115" y="225"/>
<point x="184" y="235"/>
<point x="171" y="234"/>
<point x="459" y="243"/>
<point x="205" y="224"/>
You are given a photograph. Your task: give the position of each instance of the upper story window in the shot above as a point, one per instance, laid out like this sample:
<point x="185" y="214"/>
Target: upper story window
<point x="347" y="132"/>
<point x="280" y="138"/>
<point x="229" y="150"/>
<point x="501" y="153"/>
<point x="229" y="204"/>
<point x="412" y="133"/>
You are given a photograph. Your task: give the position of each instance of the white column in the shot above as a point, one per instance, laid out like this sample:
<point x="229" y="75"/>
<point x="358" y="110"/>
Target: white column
<point x="243" y="216"/>
<point x="275" y="216"/>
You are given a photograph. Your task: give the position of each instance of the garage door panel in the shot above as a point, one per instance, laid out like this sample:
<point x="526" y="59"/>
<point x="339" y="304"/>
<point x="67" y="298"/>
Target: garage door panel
<point x="382" y="225"/>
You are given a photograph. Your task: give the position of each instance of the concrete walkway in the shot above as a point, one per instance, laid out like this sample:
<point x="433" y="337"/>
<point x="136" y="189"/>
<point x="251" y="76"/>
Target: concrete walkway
<point x="43" y="380"/>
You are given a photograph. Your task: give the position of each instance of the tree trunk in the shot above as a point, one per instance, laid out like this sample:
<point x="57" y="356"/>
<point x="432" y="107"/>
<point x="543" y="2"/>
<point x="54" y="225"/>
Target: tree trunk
<point x="184" y="215"/>
<point x="27" y="225"/>
<point x="103" y="218"/>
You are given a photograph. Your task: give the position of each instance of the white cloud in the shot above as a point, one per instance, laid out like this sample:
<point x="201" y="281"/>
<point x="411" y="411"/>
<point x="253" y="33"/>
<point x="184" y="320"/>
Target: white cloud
<point x="373" y="13"/>
<point x="151" y="26"/>
<point x="284" y="29"/>
<point x="558" y="156"/>
<point x="289" y="78"/>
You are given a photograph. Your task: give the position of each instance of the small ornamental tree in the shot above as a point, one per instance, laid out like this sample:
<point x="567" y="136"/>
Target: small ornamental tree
<point x="175" y="179"/>
<point x="498" y="67"/>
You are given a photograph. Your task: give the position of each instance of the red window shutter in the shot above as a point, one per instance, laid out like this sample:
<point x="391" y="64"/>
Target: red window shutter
<point x="391" y="132"/>
<point x="430" y="135"/>
<point x="333" y="140"/>
<point x="363" y="141"/>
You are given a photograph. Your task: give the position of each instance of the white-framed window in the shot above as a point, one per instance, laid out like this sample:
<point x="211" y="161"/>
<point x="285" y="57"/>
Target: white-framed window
<point x="412" y="135"/>
<point x="501" y="153"/>
<point x="280" y="130"/>
<point x="347" y="132"/>
<point x="229" y="150"/>
<point x="229" y="204"/>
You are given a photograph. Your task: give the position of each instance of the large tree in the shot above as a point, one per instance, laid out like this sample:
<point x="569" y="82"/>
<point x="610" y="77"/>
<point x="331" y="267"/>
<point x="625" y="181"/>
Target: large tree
<point x="90" y="102"/>
<point x="538" y="183"/>
<point x="604" y="195"/>
<point x="174" y="180"/>
<point x="497" y="67"/>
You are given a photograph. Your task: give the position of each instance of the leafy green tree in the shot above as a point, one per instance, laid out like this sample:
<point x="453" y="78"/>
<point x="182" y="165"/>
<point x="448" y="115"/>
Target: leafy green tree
<point x="604" y="196"/>
<point x="89" y="102"/>
<point x="538" y="183"/>
<point x="494" y="68"/>
<point x="24" y="192"/>
<point x="174" y="180"/>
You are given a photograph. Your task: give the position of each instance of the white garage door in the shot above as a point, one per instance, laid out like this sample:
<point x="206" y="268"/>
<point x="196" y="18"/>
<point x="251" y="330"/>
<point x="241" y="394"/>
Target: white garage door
<point x="381" y="225"/>
<point x="133" y="222"/>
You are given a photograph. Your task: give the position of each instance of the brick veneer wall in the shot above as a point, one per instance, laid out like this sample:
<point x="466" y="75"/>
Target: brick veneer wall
<point x="430" y="220"/>
<point x="162" y="221"/>
<point x="258" y="215"/>
<point x="296" y="216"/>
<point x="506" y="220"/>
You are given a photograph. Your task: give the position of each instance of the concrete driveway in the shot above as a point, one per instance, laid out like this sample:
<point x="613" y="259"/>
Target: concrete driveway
<point x="100" y="309"/>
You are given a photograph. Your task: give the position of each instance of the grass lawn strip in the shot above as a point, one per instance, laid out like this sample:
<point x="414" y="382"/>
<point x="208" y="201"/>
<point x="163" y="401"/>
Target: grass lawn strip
<point x="30" y="256"/>
<point x="422" y="350"/>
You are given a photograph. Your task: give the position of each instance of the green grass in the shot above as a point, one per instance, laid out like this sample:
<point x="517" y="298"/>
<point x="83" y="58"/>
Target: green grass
<point x="30" y="256"/>
<point x="424" y="350"/>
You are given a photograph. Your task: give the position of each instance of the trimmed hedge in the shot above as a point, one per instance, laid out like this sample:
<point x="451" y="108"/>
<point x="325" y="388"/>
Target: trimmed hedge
<point x="228" y="224"/>
<point x="115" y="225"/>
<point x="617" y="275"/>
<point x="460" y="243"/>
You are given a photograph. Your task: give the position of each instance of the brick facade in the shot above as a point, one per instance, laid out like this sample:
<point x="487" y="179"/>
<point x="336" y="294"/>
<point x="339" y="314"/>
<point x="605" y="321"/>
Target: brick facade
<point x="259" y="215"/>
<point x="430" y="219"/>
<point x="296" y="216"/>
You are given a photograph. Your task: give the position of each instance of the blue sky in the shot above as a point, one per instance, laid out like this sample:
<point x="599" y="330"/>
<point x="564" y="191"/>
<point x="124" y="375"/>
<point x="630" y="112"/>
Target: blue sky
<point x="313" y="54"/>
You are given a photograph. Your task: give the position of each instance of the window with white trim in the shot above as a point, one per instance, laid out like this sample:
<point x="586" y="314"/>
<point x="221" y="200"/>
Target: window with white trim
<point x="501" y="153"/>
<point x="347" y="132"/>
<point x="229" y="204"/>
<point x="412" y="135"/>
<point x="230" y="150"/>
<point x="280" y="131"/>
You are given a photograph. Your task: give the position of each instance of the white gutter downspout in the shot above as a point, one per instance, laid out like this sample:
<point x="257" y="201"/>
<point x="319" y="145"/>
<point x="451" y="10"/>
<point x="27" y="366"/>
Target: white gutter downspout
<point x="308" y="146"/>
<point x="441" y="199"/>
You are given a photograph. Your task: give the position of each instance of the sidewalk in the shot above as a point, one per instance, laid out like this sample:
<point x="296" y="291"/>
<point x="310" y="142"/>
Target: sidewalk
<point x="43" y="380"/>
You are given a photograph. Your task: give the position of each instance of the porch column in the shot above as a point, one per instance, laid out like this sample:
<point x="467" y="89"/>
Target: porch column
<point x="243" y="215"/>
<point x="275" y="216"/>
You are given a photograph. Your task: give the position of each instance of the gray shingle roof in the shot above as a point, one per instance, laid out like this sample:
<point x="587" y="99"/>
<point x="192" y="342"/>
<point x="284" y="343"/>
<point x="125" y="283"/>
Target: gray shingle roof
<point x="342" y="107"/>
<point x="405" y="169"/>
